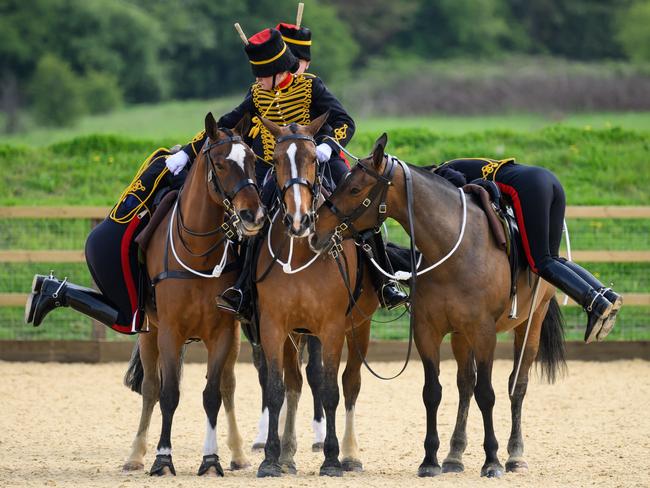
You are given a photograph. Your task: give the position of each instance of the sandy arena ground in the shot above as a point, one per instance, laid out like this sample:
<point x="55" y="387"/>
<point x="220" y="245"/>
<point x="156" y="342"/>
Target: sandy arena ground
<point x="72" y="425"/>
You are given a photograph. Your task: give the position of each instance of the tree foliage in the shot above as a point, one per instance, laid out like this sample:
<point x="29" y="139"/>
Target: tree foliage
<point x="634" y="31"/>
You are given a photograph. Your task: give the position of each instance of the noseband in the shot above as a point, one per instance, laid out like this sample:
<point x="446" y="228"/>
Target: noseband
<point x="378" y="192"/>
<point x="315" y="187"/>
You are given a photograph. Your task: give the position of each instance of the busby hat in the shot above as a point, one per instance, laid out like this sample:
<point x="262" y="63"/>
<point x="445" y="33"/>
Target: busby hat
<point x="297" y="38"/>
<point x="268" y="54"/>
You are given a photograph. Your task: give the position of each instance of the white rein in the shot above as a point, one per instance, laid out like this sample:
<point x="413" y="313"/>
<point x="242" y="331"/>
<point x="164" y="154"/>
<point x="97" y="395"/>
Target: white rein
<point x="286" y="267"/>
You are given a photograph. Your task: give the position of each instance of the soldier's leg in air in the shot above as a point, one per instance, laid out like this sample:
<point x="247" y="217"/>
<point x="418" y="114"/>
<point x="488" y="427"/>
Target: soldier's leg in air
<point x="542" y="205"/>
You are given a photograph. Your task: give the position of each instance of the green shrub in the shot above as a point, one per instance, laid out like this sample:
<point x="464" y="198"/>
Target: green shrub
<point x="56" y="93"/>
<point x="101" y="92"/>
<point x="633" y="32"/>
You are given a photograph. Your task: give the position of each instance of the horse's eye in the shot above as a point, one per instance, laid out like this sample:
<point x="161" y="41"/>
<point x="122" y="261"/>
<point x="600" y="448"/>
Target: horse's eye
<point x="355" y="191"/>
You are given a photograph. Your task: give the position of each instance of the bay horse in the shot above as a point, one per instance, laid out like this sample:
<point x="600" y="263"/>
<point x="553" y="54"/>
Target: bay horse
<point x="312" y="299"/>
<point x="466" y="295"/>
<point x="218" y="201"/>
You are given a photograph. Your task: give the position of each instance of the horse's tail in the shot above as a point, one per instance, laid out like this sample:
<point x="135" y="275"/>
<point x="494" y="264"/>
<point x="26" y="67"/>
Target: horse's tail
<point x="135" y="372"/>
<point x="551" y="356"/>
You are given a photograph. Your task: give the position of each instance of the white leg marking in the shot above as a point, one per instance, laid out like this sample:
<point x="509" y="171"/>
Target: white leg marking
<point x="238" y="155"/>
<point x="282" y="418"/>
<point x="320" y="429"/>
<point x="291" y="153"/>
<point x="262" y="427"/>
<point x="349" y="447"/>
<point x="165" y="451"/>
<point x="210" y="444"/>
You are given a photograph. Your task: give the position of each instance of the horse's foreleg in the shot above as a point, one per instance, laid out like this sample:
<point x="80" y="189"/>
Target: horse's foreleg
<point x="357" y="349"/>
<point x="219" y="346"/>
<point x="516" y="462"/>
<point x="427" y="340"/>
<point x="484" y="393"/>
<point x="273" y="343"/>
<point x="263" y="424"/>
<point x="235" y="441"/>
<point x="169" y="347"/>
<point x="465" y="380"/>
<point x="293" y="384"/>
<point x="150" y="392"/>
<point x="332" y="347"/>
<point x="315" y="378"/>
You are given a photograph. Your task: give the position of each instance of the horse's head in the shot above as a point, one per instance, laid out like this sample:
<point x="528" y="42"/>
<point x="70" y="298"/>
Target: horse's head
<point x="359" y="201"/>
<point x="230" y="174"/>
<point x="296" y="170"/>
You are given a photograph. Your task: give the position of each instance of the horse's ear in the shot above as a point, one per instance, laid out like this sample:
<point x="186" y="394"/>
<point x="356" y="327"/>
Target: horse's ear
<point x="379" y="150"/>
<point x="243" y="125"/>
<point x="317" y="123"/>
<point x="211" y="128"/>
<point x="274" y="128"/>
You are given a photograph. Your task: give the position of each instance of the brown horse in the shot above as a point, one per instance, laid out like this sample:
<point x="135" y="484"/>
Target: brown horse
<point x="310" y="299"/>
<point x="466" y="295"/>
<point x="219" y="189"/>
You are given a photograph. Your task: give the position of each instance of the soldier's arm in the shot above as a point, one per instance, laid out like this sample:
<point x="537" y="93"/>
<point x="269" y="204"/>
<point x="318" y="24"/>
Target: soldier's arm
<point x="339" y="125"/>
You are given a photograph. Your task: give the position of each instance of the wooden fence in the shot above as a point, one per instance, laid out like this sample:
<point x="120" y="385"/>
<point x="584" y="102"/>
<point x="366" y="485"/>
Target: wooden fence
<point x="97" y="214"/>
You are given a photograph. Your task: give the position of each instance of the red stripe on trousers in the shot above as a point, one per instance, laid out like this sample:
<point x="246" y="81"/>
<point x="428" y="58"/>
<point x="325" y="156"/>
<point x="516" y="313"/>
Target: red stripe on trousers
<point x="519" y="214"/>
<point x="345" y="160"/>
<point x="126" y="271"/>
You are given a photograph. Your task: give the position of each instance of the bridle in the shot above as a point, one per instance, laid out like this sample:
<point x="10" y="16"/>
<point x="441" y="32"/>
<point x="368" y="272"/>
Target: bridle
<point x="378" y="192"/>
<point x="314" y="188"/>
<point x="231" y="219"/>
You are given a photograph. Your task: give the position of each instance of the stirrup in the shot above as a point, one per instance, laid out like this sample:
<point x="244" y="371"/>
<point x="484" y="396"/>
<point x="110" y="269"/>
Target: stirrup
<point x="228" y="304"/>
<point x="400" y="298"/>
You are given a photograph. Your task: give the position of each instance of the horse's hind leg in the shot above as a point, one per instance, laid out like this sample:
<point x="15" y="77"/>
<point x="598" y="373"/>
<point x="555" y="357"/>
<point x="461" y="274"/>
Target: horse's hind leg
<point x="357" y="349"/>
<point x="235" y="441"/>
<point x="465" y="380"/>
<point x="169" y="346"/>
<point x="315" y="378"/>
<point x="484" y="344"/>
<point x="293" y="386"/>
<point x="148" y="347"/>
<point x="263" y="424"/>
<point x="516" y="462"/>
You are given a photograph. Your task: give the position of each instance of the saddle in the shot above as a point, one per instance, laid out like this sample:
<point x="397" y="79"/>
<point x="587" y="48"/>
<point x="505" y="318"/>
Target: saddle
<point x="502" y="223"/>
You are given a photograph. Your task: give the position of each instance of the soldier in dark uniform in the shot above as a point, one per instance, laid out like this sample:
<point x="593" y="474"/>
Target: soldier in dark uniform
<point x="539" y="203"/>
<point x="284" y="97"/>
<point x="112" y="258"/>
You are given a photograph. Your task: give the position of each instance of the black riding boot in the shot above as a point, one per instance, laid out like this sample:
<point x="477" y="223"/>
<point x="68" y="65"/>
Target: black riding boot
<point x="237" y="298"/>
<point x="49" y="293"/>
<point x="598" y="307"/>
<point x="615" y="299"/>
<point x="388" y="291"/>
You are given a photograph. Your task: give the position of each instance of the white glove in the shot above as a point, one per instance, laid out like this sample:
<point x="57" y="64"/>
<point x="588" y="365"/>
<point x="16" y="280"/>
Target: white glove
<point x="176" y="162"/>
<point x="323" y="152"/>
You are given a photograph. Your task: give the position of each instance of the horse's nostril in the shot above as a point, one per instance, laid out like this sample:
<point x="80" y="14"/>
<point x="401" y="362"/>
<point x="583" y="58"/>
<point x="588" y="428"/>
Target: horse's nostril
<point x="247" y="215"/>
<point x="305" y="221"/>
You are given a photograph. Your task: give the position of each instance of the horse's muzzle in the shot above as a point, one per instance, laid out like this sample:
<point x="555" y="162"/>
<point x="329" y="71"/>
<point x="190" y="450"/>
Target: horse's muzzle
<point x="252" y="222"/>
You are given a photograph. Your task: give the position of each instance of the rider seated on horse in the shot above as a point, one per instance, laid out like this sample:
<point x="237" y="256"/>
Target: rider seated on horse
<point x="284" y="94"/>
<point x="539" y="203"/>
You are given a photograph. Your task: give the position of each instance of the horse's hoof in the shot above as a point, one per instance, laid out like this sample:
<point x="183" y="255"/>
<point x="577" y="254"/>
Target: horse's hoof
<point x="519" y="466"/>
<point x="317" y="447"/>
<point x="452" y="467"/>
<point x="210" y="466"/>
<point x="131" y="466"/>
<point x="429" y="471"/>
<point x="350" y="464"/>
<point x="494" y="470"/>
<point x="268" y="469"/>
<point x="162" y="466"/>
<point x="289" y="468"/>
<point x="258" y="446"/>
<point x="334" y="470"/>
<point x="237" y="466"/>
